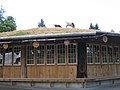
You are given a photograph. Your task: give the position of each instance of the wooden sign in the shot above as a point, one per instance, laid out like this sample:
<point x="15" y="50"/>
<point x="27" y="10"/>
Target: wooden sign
<point x="36" y="44"/>
<point x="5" y="45"/>
<point x="105" y="39"/>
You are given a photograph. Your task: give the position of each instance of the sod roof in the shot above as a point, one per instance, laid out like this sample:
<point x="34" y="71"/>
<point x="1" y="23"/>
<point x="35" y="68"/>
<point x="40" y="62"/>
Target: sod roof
<point x="37" y="31"/>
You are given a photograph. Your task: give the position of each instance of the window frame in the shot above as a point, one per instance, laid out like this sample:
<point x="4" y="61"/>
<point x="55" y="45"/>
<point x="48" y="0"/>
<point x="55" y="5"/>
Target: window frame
<point x="70" y="55"/>
<point x="111" y="55"/>
<point x="63" y="54"/>
<point x="47" y="55"/>
<point x="1" y="51"/>
<point x="114" y="56"/>
<point x="20" y="56"/>
<point x="11" y="64"/>
<point x="96" y="55"/>
<point x="40" y="55"/>
<point x="33" y="54"/>
<point x="88" y="52"/>
<point x="106" y="55"/>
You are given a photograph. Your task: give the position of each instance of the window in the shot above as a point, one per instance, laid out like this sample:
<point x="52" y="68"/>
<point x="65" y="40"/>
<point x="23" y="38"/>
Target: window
<point x="30" y="55"/>
<point x="89" y="53"/>
<point x="50" y="54"/>
<point x="61" y="54"/>
<point x="110" y="54"/>
<point x="40" y="54"/>
<point x="116" y="54"/>
<point x="1" y="56"/>
<point x="17" y="55"/>
<point x="104" y="54"/>
<point x="72" y="55"/>
<point x="8" y="56"/>
<point x="97" y="53"/>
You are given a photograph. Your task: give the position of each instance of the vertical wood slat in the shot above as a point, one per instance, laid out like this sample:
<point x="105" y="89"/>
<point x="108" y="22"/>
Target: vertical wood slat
<point x="23" y="62"/>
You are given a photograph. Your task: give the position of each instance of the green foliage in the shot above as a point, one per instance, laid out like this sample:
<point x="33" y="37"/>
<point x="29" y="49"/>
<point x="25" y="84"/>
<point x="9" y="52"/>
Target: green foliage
<point x="41" y="24"/>
<point x="6" y="24"/>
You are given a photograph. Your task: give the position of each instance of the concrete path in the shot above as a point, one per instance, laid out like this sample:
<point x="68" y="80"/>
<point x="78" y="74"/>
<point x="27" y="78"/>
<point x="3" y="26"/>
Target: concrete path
<point x="115" y="87"/>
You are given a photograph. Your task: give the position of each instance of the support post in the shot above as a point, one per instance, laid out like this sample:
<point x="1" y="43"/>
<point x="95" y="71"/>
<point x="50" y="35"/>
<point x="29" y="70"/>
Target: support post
<point x="23" y="62"/>
<point x="82" y="61"/>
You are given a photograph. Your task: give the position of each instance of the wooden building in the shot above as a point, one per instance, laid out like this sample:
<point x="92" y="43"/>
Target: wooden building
<point x="61" y="55"/>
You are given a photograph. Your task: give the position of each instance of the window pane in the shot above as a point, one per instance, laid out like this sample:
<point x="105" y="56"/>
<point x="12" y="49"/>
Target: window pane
<point x="89" y="53"/>
<point x="30" y="54"/>
<point x="61" y="53"/>
<point x="72" y="55"/>
<point x="97" y="53"/>
<point x="116" y="55"/>
<point x="110" y="56"/>
<point x="104" y="54"/>
<point x="17" y="55"/>
<point x="50" y="54"/>
<point x="40" y="54"/>
<point x="8" y="56"/>
<point x="1" y="56"/>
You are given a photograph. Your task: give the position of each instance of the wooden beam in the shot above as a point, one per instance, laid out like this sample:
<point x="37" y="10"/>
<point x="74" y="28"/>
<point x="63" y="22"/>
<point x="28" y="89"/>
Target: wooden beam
<point x="23" y="62"/>
<point x="82" y="61"/>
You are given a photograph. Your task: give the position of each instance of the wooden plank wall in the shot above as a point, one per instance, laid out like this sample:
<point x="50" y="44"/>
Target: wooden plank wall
<point x="10" y="72"/>
<point x="97" y="70"/>
<point x="40" y="71"/>
<point x="52" y="71"/>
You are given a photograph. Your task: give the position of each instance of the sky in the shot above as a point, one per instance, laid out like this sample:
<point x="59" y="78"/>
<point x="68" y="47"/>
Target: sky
<point x="106" y="13"/>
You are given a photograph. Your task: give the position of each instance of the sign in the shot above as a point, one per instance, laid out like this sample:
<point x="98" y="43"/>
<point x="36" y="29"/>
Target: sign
<point x="5" y="45"/>
<point x="36" y="44"/>
<point x="105" y="39"/>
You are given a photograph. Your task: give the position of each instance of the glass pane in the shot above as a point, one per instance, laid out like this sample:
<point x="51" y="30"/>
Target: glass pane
<point x="17" y="55"/>
<point x="89" y="53"/>
<point x="72" y="53"/>
<point x="1" y="55"/>
<point x="30" y="54"/>
<point x="61" y="53"/>
<point x="40" y="54"/>
<point x="8" y="56"/>
<point x="50" y="54"/>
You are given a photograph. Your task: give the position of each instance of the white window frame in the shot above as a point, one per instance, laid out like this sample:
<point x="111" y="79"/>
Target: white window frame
<point x="115" y="54"/>
<point x="40" y="55"/>
<point x="19" y="54"/>
<point x="96" y="55"/>
<point x="110" y="56"/>
<point x="30" y="55"/>
<point x="104" y="52"/>
<point x="87" y="53"/>
<point x="47" y="55"/>
<point x="10" y="63"/>
<point x="75" y="53"/>
<point x="62" y="53"/>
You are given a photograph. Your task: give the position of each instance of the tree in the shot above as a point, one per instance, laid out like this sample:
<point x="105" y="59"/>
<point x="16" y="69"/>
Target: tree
<point x="112" y="30"/>
<point x="96" y="26"/>
<point x="91" y="26"/>
<point x="41" y="24"/>
<point x="8" y="23"/>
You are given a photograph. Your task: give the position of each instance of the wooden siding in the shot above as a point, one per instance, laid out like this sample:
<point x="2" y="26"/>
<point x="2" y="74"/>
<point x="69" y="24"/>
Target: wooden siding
<point x="10" y="72"/>
<point x="52" y="71"/>
<point x="98" y="70"/>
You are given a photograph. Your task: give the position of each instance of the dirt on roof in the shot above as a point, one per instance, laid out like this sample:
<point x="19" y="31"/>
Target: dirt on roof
<point x="37" y="31"/>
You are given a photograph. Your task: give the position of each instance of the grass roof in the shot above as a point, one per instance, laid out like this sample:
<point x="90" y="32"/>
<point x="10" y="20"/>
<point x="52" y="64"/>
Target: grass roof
<point x="37" y="31"/>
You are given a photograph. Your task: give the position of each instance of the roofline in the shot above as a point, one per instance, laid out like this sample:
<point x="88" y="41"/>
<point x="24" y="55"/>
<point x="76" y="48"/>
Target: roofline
<point x="44" y="36"/>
